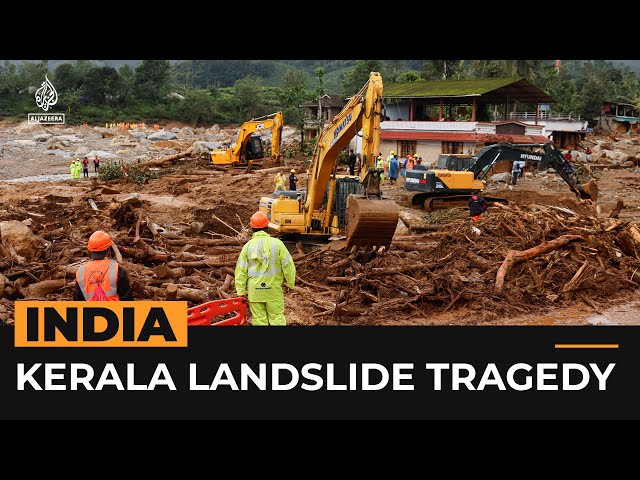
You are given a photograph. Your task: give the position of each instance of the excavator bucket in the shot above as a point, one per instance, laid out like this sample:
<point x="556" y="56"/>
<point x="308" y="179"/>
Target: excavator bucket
<point x="370" y="222"/>
<point x="589" y="190"/>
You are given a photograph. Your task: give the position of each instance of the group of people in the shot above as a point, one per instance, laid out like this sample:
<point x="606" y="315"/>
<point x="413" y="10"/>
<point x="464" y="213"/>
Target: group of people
<point x="78" y="167"/>
<point x="127" y="125"/>
<point x="280" y="180"/>
<point x="263" y="266"/>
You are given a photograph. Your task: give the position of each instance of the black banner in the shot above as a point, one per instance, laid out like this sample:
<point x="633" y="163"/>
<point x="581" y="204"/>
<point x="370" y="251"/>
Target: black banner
<point x="334" y="373"/>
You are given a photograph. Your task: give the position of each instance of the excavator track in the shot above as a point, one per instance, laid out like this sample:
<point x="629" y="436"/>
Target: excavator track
<point x="370" y="222"/>
<point x="426" y="200"/>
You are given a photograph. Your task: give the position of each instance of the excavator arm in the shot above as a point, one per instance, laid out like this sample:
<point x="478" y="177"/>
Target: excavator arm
<point x="370" y="220"/>
<point x="488" y="156"/>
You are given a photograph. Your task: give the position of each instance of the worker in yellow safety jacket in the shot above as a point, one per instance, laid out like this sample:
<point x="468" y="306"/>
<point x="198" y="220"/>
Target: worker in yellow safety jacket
<point x="380" y="164"/>
<point x="279" y="181"/>
<point x="263" y="265"/>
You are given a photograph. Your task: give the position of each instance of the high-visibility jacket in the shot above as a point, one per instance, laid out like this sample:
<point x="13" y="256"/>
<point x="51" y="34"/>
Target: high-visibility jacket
<point x="103" y="272"/>
<point x="263" y="264"/>
<point x="279" y="182"/>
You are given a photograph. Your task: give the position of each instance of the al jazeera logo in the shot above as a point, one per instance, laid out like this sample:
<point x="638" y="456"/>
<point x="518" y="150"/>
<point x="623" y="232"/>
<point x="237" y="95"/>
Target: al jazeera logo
<point x="46" y="97"/>
<point x="100" y="324"/>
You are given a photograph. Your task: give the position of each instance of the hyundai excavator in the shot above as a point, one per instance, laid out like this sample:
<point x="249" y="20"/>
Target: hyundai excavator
<point x="248" y="148"/>
<point x="451" y="185"/>
<point x="369" y="220"/>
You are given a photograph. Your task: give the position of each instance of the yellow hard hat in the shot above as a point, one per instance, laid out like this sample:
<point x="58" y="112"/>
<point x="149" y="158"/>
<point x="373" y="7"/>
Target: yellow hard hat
<point x="293" y="170"/>
<point x="392" y="152"/>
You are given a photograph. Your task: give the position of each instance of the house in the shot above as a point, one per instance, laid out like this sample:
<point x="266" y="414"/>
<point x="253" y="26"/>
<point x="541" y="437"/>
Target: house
<point x="462" y="116"/>
<point x="330" y="106"/>
<point x="618" y="117"/>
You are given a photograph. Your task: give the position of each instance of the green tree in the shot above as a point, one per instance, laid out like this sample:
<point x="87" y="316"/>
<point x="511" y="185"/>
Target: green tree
<point x="443" y="69"/>
<point x="101" y="85"/>
<point x="31" y="74"/>
<point x="249" y="98"/>
<point x="153" y="80"/>
<point x="359" y="75"/>
<point x="197" y="107"/>
<point x="9" y="81"/>
<point x="292" y="94"/>
<point x="407" y="76"/>
<point x="126" y="93"/>
<point x="65" y="78"/>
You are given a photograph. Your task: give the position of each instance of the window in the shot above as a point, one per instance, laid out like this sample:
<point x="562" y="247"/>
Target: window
<point x="405" y="148"/>
<point x="452" y="147"/>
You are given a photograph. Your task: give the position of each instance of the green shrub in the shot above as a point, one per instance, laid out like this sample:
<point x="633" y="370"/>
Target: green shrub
<point x="141" y="175"/>
<point x="110" y="171"/>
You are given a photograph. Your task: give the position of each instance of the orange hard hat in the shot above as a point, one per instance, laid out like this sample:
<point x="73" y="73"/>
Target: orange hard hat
<point x="99" y="241"/>
<point x="259" y="220"/>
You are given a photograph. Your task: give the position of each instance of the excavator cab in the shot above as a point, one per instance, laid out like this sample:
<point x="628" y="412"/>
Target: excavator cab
<point x="254" y="149"/>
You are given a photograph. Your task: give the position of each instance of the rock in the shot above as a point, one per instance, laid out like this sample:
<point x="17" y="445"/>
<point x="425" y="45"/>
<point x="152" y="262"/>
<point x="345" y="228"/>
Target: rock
<point x="69" y="138"/>
<point x="175" y="130"/>
<point x="22" y="143"/>
<point x="56" y="146"/>
<point x="501" y="177"/>
<point x="58" y="152"/>
<point x="197" y="227"/>
<point x="605" y="146"/>
<point x="162" y="135"/>
<point x="288" y="132"/>
<point x="199" y="147"/>
<point x="102" y="154"/>
<point x="26" y="127"/>
<point x="122" y="152"/>
<point x="81" y="152"/>
<point x="214" y="128"/>
<point x="605" y="169"/>
<point x="106" y="132"/>
<point x="628" y="164"/>
<point x="401" y="229"/>
<point x="129" y="198"/>
<point x="138" y="134"/>
<point x="42" y="137"/>
<point x="20" y="236"/>
<point x="186" y="131"/>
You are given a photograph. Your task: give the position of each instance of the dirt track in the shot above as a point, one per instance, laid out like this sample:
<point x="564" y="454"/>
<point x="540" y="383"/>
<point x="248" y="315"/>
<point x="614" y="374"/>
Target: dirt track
<point x="445" y="276"/>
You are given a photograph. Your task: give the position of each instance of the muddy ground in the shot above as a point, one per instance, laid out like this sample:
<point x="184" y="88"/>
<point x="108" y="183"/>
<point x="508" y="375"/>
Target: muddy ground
<point x="186" y="229"/>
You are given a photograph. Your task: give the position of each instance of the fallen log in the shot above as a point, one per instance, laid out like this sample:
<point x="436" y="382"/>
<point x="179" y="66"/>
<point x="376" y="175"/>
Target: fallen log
<point x="3" y="282"/>
<point x="161" y="161"/>
<point x="204" y="241"/>
<point x="202" y="264"/>
<point x="182" y="293"/>
<point x="44" y="288"/>
<point x="515" y="256"/>
<point x="172" y="292"/>
<point x="575" y="278"/>
<point x="163" y="271"/>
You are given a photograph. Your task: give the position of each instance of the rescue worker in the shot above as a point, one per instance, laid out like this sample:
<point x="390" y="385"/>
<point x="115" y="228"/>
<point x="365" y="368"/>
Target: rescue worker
<point x="264" y="263"/>
<point x="477" y="206"/>
<point x="279" y="181"/>
<point x="387" y="162"/>
<point x="380" y="164"/>
<point x="101" y="279"/>
<point x="72" y="169"/>
<point x="292" y="180"/>
<point x="85" y="167"/>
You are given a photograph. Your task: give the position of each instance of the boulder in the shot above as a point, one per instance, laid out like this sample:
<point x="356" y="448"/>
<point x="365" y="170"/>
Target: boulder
<point x="214" y="128"/>
<point x="128" y="198"/>
<point x="69" y="138"/>
<point x="20" y="236"/>
<point x="42" y="137"/>
<point x="162" y="135"/>
<point x="186" y="131"/>
<point x="81" y="152"/>
<point x="138" y="134"/>
<point x="175" y="130"/>
<point x="199" y="147"/>
<point x="22" y="143"/>
<point x="103" y="154"/>
<point x="106" y="132"/>
<point x="501" y="177"/>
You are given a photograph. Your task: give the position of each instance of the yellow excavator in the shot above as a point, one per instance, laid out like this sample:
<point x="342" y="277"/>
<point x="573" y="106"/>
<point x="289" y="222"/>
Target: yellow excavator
<point x="367" y="219"/>
<point x="248" y="148"/>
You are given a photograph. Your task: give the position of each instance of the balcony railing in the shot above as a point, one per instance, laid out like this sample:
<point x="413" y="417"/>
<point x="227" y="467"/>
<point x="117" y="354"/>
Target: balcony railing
<point x="542" y="115"/>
